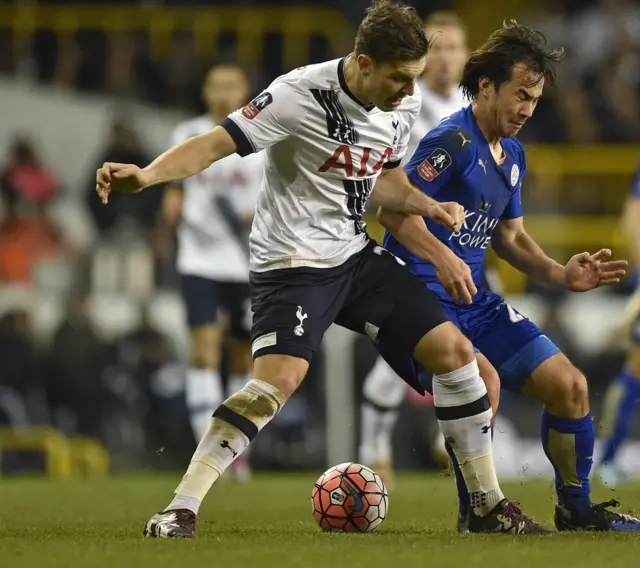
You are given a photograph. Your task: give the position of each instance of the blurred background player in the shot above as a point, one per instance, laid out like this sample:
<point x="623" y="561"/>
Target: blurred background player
<point x="623" y="394"/>
<point x="383" y="390"/>
<point x="214" y="210"/>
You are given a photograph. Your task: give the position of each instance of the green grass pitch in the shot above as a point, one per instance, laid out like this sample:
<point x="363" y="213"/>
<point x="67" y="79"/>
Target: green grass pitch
<point x="268" y="522"/>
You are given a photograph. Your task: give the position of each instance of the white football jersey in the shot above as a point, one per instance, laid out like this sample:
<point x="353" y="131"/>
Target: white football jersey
<point x="325" y="150"/>
<point x="212" y="242"/>
<point x="434" y="108"/>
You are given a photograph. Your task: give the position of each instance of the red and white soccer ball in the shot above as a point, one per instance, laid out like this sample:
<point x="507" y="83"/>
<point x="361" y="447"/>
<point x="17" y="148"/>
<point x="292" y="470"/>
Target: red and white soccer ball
<point x="349" y="497"/>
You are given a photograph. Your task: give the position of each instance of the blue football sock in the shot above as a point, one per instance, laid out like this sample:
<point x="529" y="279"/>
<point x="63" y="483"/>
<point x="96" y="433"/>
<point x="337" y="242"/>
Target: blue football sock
<point x="463" y="494"/>
<point x="628" y="388"/>
<point x="568" y="443"/>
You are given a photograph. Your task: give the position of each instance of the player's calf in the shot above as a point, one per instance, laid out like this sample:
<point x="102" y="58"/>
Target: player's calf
<point x="463" y="411"/>
<point x="240" y="363"/>
<point x="620" y="406"/>
<point x="561" y="387"/>
<point x="234" y="425"/>
<point x="567" y="430"/>
<point x="383" y="393"/>
<point x="203" y="387"/>
<point x="464" y="414"/>
<point x="568" y="441"/>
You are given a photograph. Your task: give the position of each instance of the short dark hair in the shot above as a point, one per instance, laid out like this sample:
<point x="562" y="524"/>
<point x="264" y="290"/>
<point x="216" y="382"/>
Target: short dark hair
<point x="506" y="47"/>
<point x="391" y="32"/>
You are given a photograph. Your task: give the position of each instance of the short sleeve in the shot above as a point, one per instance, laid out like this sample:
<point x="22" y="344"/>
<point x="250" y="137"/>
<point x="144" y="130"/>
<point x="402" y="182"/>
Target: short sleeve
<point x="440" y="156"/>
<point x="513" y="210"/>
<point x="253" y="167"/>
<point x="271" y="117"/>
<point x="406" y="121"/>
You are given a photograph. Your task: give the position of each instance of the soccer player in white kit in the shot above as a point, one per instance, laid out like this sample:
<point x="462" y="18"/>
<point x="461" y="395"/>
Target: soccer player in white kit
<point x="383" y="390"/>
<point x="330" y="130"/>
<point x="214" y="210"/>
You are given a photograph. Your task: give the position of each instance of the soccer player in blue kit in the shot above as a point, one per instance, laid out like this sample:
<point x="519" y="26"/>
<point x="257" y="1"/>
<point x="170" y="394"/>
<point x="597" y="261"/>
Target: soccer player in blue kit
<point x="623" y="394"/>
<point x="473" y="158"/>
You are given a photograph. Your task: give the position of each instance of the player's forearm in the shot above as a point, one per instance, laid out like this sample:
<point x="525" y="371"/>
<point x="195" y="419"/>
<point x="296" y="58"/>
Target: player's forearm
<point x="190" y="157"/>
<point x="412" y="232"/>
<point x="394" y="192"/>
<point x="523" y="253"/>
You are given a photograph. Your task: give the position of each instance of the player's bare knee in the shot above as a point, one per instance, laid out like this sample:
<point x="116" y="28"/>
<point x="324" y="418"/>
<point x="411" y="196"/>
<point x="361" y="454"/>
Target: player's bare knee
<point x="456" y="353"/>
<point x="281" y="371"/>
<point x="572" y="395"/>
<point x="239" y="356"/>
<point x="286" y="381"/>
<point x="444" y="349"/>
<point x="205" y="355"/>
<point x="205" y="347"/>
<point x="579" y="390"/>
<point x="203" y="361"/>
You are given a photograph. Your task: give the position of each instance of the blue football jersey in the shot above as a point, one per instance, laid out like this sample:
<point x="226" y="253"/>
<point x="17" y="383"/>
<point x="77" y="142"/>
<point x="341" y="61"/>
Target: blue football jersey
<point x="453" y="162"/>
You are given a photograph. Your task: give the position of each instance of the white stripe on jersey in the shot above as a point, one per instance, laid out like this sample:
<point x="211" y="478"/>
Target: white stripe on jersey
<point x="324" y="152"/>
<point x="433" y="110"/>
<point x="207" y="245"/>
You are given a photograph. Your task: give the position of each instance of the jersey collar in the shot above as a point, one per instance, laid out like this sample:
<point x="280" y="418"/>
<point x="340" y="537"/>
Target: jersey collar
<point x="471" y="120"/>
<point x="347" y="90"/>
<point x="509" y="160"/>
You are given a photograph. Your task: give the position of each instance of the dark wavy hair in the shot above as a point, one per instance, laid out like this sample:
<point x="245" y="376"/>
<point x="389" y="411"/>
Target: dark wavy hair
<point x="391" y="32"/>
<point x="511" y="45"/>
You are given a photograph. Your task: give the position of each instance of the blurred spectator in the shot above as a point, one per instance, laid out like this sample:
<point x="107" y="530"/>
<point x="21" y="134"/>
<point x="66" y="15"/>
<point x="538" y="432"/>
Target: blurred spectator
<point x="27" y="235"/>
<point x="21" y="401"/>
<point x="76" y="363"/>
<point x="26" y="177"/>
<point x="123" y="144"/>
<point x="601" y="31"/>
<point x="616" y="91"/>
<point x="147" y="359"/>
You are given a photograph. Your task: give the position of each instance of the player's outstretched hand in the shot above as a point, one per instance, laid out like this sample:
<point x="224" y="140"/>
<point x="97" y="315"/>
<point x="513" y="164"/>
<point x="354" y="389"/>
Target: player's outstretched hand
<point x="455" y="276"/>
<point x="450" y="214"/>
<point x="586" y="271"/>
<point x="126" y="178"/>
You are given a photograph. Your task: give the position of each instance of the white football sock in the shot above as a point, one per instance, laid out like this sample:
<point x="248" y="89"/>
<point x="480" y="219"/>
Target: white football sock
<point x="203" y="394"/>
<point x="376" y="433"/>
<point x="235" y="423"/>
<point x="464" y="416"/>
<point x="383" y="392"/>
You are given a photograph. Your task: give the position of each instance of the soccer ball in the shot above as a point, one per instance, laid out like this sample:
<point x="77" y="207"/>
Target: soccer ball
<point x="349" y="497"/>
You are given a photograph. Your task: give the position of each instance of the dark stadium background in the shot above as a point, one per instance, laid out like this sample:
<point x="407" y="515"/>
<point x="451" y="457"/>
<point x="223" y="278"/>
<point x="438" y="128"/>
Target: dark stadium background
<point x="81" y="286"/>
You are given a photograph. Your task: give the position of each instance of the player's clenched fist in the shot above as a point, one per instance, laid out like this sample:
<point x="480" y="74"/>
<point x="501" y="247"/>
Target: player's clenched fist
<point x="126" y="178"/>
<point x="449" y="214"/>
